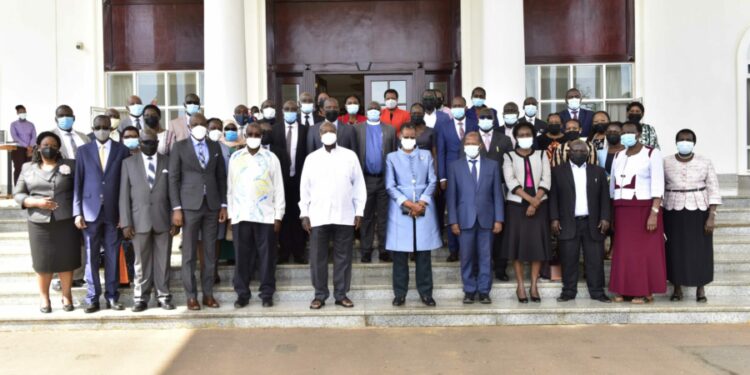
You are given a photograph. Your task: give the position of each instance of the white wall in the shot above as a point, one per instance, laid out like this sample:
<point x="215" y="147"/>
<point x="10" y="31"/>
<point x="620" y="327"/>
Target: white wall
<point x="686" y="53"/>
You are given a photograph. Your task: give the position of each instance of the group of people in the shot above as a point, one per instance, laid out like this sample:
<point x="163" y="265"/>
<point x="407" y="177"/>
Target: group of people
<point x="503" y="187"/>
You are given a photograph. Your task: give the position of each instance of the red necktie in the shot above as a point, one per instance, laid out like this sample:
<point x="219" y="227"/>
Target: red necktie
<point x="575" y="115"/>
<point x="461" y="129"/>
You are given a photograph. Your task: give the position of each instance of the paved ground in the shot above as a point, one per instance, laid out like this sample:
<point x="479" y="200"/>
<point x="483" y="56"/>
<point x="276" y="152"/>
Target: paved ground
<point x="683" y="349"/>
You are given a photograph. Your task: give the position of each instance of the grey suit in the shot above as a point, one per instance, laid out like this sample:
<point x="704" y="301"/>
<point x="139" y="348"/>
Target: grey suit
<point x="200" y="193"/>
<point x="33" y="183"/>
<point x="376" y="208"/>
<point x="345" y="137"/>
<point x="148" y="211"/>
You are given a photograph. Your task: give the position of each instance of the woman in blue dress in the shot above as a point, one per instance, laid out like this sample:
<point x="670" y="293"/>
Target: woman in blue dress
<point x="410" y="181"/>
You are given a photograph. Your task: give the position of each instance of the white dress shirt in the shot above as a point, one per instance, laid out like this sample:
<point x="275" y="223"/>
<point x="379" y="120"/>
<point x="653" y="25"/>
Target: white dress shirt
<point x="509" y="132"/>
<point x="69" y="138"/>
<point x="639" y="177"/>
<point x="459" y="128"/>
<point x="139" y="121"/>
<point x="310" y="119"/>
<point x="332" y="187"/>
<point x="107" y="147"/>
<point x="579" y="180"/>
<point x="255" y="187"/>
<point x="468" y="161"/>
<point x="430" y="119"/>
<point x="293" y="150"/>
<point x="486" y="139"/>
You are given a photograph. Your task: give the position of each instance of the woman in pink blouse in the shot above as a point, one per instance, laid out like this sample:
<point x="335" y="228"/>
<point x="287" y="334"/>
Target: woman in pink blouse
<point x="690" y="200"/>
<point x="637" y="187"/>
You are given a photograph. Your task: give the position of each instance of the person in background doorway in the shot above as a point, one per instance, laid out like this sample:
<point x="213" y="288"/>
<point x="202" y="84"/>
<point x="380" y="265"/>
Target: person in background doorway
<point x="393" y="115"/>
<point x="23" y="133"/>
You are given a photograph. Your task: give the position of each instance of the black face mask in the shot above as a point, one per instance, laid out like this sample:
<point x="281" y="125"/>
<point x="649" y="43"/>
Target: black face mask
<point x="241" y="119"/>
<point x="577" y="159"/>
<point x="321" y="104"/>
<point x="149" y="147"/>
<point x="636" y="118"/>
<point x="265" y="140"/>
<point x="613" y="139"/>
<point x="49" y="152"/>
<point x="417" y="119"/>
<point x="429" y="103"/>
<point x="332" y="115"/>
<point x="554" y="129"/>
<point x="600" y="128"/>
<point x="572" y="135"/>
<point x="439" y="103"/>
<point x="152" y="122"/>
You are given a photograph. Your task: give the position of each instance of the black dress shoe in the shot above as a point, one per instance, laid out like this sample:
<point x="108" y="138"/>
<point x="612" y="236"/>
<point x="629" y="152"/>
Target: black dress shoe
<point x="166" y="305"/>
<point x="300" y="261"/>
<point x="485" y="299"/>
<point x="240" y="303"/>
<point x="123" y="286"/>
<point x="366" y="258"/>
<point x="282" y="261"/>
<point x="92" y="308"/>
<point x="267" y="302"/>
<point x="603" y="299"/>
<point x="428" y="301"/>
<point x="46" y="309"/>
<point x="399" y="301"/>
<point x="564" y="298"/>
<point x="78" y="283"/>
<point x="468" y="298"/>
<point x="114" y="305"/>
<point x="453" y="257"/>
<point x="502" y="276"/>
<point x="140" y="306"/>
<point x="68" y="308"/>
<point x="385" y="256"/>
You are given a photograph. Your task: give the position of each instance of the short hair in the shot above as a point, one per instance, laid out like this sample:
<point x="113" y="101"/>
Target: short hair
<point x="408" y="125"/>
<point x="212" y="119"/>
<point x="638" y="126"/>
<point x="522" y="125"/>
<point x="571" y="90"/>
<point x="553" y="114"/>
<point x="101" y="117"/>
<point x="35" y="157"/>
<point x="416" y="105"/>
<point x="352" y="96"/>
<point x="615" y="123"/>
<point x="390" y="91"/>
<point x="254" y="109"/>
<point x="479" y="88"/>
<point x="131" y="128"/>
<point x="602" y="112"/>
<point x="635" y="104"/>
<point x="63" y="106"/>
<point x="151" y="106"/>
<point x="20" y="107"/>
<point x="572" y="120"/>
<point x="686" y="131"/>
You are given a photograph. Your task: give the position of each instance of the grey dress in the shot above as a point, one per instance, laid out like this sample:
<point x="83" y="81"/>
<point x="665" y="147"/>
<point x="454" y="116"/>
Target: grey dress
<point x="53" y="237"/>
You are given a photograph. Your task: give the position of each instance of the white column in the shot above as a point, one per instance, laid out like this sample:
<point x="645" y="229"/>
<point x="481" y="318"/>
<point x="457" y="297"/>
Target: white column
<point x="224" y="57"/>
<point x="255" y="47"/>
<point x="492" y="50"/>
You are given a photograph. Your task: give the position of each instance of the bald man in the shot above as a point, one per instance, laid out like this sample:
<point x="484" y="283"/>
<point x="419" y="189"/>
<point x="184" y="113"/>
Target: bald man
<point x="345" y="134"/>
<point x="135" y="114"/>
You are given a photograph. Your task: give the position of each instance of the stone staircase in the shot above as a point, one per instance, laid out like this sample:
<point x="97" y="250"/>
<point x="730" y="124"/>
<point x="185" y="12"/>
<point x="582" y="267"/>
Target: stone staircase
<point x="729" y="294"/>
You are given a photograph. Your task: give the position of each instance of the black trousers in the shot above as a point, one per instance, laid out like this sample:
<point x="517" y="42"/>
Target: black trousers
<point x="500" y="263"/>
<point x="19" y="157"/>
<point x="593" y="261"/>
<point x="375" y="216"/>
<point x="423" y="272"/>
<point x="292" y="236"/>
<point x="254" y="241"/>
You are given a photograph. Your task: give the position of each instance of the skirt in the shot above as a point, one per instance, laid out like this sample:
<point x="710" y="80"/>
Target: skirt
<point x="638" y="260"/>
<point x="526" y="239"/>
<point x="690" y="251"/>
<point x="55" y="246"/>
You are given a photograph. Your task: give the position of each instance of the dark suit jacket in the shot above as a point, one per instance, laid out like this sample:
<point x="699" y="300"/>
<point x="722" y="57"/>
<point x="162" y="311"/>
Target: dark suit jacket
<point x="345" y="137"/>
<point x="468" y="203"/>
<point x="585" y="117"/>
<point x="142" y="207"/>
<point x="449" y="145"/>
<point x="278" y="147"/>
<point x="562" y="199"/>
<point x="187" y="179"/>
<point x="539" y="125"/>
<point x="499" y="145"/>
<point x="389" y="142"/>
<point x="98" y="191"/>
<point x="472" y="114"/>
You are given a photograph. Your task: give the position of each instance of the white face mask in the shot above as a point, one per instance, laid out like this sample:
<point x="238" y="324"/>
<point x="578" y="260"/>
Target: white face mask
<point x="472" y="151"/>
<point x="306" y="107"/>
<point x="22" y="116"/>
<point x="253" y="143"/>
<point x="328" y="139"/>
<point x="574" y="103"/>
<point x="115" y="122"/>
<point x="391" y="103"/>
<point x="525" y="143"/>
<point x="408" y="144"/>
<point x="198" y="132"/>
<point x="214" y="135"/>
<point x="373" y="115"/>
<point x="269" y="112"/>
<point x="510" y="119"/>
<point x="352" y="109"/>
<point x="530" y="110"/>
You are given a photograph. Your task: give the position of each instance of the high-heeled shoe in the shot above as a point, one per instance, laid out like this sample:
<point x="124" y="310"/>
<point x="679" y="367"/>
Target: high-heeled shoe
<point x="676" y="297"/>
<point x="700" y="295"/>
<point x="536" y="299"/>
<point x="521" y="300"/>
<point x="46" y="309"/>
<point x="68" y="307"/>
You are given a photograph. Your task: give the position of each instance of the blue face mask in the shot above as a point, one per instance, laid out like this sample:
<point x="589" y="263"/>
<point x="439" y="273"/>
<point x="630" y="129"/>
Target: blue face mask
<point x="628" y="140"/>
<point x="131" y="143"/>
<point x="230" y="135"/>
<point x="458" y="112"/>
<point x="373" y="115"/>
<point x="478" y="102"/>
<point x="136" y="110"/>
<point x="65" y="123"/>
<point x="685" y="147"/>
<point x="192" y="109"/>
<point x="290" y="117"/>
<point x="240" y="119"/>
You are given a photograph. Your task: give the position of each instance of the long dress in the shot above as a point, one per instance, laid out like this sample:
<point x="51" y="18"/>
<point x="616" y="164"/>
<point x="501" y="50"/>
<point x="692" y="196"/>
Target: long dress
<point x="691" y="188"/>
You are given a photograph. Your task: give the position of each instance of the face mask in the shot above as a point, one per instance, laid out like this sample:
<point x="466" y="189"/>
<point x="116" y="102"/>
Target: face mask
<point x="253" y="143"/>
<point x="231" y="135"/>
<point x="152" y="122"/>
<point x="115" y="122"/>
<point x="131" y="143"/>
<point x="22" y="116"/>
<point x="149" y="147"/>
<point x="265" y="140"/>
<point x="332" y="115"/>
<point x="472" y="151"/>
<point x="636" y="118"/>
<point x="628" y="140"/>
<point x="600" y="128"/>
<point x="214" y="135"/>
<point x="192" y="109"/>
<point x="574" y="103"/>
<point x="306" y="108"/>
<point x="613" y="139"/>
<point x="290" y="117"/>
<point x="529" y="110"/>
<point x="48" y="152"/>
<point x="408" y="144"/>
<point x="578" y="159"/>
<point x="554" y="129"/>
<point x="198" y="132"/>
<point x="391" y="103"/>
<point x="573" y="135"/>
<point x="136" y="110"/>
<point x="485" y="124"/>
<point x="321" y="103"/>
<point x="65" y="123"/>
<point x="102" y="135"/>
<point x="373" y="115"/>
<point x="328" y="139"/>
<point x="525" y="142"/>
<point x="417" y="119"/>
<point x="429" y="104"/>
<point x="458" y="112"/>
<point x="685" y="147"/>
<point x="477" y="102"/>
<point x="510" y="119"/>
<point x="352" y="109"/>
<point x="240" y="119"/>
<point x="269" y="112"/>
<point x="439" y="103"/>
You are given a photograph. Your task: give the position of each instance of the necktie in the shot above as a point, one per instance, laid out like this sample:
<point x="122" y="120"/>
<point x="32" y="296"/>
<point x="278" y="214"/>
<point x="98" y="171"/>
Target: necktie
<point x="487" y="139"/>
<point x="575" y="114"/>
<point x="473" y="169"/>
<point x="102" y="157"/>
<point x="307" y="120"/>
<point x="201" y="155"/>
<point x="289" y="141"/>
<point x="151" y="174"/>
<point x="138" y="123"/>
<point x="73" y="146"/>
<point x="461" y="129"/>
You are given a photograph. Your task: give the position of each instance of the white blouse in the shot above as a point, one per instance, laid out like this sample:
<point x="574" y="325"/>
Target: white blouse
<point x="637" y="177"/>
<point x="698" y="174"/>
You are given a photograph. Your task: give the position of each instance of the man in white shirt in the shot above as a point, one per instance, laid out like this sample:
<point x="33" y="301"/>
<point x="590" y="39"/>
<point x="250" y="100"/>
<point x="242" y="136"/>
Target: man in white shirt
<point x="135" y="109"/>
<point x="332" y="202"/>
<point x="255" y="206"/>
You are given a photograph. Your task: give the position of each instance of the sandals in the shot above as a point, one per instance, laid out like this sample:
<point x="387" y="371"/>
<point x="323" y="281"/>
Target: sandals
<point x="642" y="300"/>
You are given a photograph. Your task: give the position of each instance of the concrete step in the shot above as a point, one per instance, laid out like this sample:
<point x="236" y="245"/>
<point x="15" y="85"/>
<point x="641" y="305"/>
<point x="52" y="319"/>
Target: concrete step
<point x="741" y="201"/>
<point x="380" y="313"/>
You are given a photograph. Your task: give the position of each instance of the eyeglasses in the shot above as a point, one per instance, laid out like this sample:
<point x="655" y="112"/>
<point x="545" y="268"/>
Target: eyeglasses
<point x="102" y="128"/>
<point x="486" y="118"/>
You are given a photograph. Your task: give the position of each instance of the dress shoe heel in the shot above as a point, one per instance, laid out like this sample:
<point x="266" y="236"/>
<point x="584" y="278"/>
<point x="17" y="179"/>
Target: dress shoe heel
<point x="521" y="300"/>
<point x="536" y="299"/>
<point x="46" y="309"/>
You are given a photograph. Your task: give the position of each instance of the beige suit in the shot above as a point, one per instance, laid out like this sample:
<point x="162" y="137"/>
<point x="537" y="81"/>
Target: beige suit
<point x="179" y="127"/>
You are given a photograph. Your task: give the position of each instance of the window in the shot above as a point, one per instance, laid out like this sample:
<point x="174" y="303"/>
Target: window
<point x="606" y="87"/>
<point x="166" y="88"/>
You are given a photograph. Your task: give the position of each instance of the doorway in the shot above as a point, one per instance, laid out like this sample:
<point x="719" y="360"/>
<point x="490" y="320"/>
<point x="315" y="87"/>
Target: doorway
<point x="341" y="86"/>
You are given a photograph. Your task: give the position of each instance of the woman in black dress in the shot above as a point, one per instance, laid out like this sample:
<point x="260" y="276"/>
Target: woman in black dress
<point x="45" y="190"/>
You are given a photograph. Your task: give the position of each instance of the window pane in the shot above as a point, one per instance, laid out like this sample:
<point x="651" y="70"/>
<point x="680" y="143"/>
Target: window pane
<point x="151" y="87"/>
<point x="554" y="82"/>
<point x="588" y="80"/>
<point x="442" y="86"/>
<point x="119" y="88"/>
<point x="175" y="113"/>
<point x="400" y="87"/>
<point x="592" y="106"/>
<point x="548" y="108"/>
<point x="181" y="84"/>
<point x="289" y="91"/>
<point x="378" y="91"/>
<point x="202" y="85"/>
<point x="619" y="81"/>
<point x="617" y="111"/>
<point x="532" y="78"/>
<point x="747" y="108"/>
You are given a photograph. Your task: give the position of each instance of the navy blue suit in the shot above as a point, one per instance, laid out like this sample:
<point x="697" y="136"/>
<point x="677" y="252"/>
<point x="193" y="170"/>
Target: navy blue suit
<point x="96" y="197"/>
<point x="475" y="206"/>
<point x="585" y="117"/>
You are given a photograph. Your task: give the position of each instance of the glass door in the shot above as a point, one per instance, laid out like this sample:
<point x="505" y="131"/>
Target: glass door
<point x="376" y="85"/>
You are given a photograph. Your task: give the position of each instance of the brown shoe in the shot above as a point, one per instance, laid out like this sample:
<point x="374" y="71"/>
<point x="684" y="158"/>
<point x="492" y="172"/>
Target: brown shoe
<point x="345" y="302"/>
<point x="210" y="302"/>
<point x="192" y="304"/>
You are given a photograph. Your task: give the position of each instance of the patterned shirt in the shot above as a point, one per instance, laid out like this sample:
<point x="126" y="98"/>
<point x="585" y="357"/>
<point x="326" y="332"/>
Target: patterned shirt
<point x="690" y="185"/>
<point x="648" y="136"/>
<point x="255" y="189"/>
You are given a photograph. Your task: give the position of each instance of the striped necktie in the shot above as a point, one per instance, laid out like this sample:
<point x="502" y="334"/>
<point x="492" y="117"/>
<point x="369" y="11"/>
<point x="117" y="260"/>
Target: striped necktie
<point x="151" y="172"/>
<point x="73" y="146"/>
<point x="201" y="155"/>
